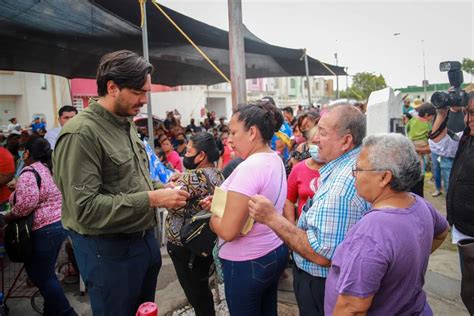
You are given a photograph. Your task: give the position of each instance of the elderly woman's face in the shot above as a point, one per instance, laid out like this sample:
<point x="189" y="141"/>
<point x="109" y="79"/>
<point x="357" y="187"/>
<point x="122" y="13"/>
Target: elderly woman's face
<point x="368" y="181"/>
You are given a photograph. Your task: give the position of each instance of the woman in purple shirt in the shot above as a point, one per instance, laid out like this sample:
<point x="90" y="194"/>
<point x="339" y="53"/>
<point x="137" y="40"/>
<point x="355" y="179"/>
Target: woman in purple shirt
<point x="379" y="268"/>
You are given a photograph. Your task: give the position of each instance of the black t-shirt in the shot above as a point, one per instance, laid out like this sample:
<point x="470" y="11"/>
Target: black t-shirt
<point x="456" y="122"/>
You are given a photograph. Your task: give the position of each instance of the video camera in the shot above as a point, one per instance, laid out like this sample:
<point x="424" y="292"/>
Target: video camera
<point x="455" y="96"/>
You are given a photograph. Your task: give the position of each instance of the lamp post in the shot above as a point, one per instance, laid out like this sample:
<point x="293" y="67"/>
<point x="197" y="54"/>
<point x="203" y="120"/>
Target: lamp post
<point x="425" y="82"/>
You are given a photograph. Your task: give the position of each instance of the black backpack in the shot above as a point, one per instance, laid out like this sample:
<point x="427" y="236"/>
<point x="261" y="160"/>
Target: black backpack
<point x="18" y="243"/>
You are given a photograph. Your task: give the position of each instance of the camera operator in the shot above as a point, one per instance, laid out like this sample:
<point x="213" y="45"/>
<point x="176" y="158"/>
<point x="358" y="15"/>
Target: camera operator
<point x="460" y="197"/>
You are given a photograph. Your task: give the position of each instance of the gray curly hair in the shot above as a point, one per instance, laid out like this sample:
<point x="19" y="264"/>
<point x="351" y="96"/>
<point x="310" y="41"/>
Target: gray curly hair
<point x="395" y="153"/>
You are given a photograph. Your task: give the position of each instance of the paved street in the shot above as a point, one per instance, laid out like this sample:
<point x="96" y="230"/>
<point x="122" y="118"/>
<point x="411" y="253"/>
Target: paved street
<point x="442" y="283"/>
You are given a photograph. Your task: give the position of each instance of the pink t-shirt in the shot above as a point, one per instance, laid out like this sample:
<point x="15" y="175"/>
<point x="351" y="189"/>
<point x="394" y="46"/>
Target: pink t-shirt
<point x="302" y="184"/>
<point x="264" y="174"/>
<point x="175" y="160"/>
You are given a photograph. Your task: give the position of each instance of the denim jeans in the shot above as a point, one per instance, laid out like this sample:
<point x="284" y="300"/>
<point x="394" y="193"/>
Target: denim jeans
<point x="436" y="169"/>
<point x="251" y="286"/>
<point x="119" y="273"/>
<point x="47" y="242"/>
<point x="446" y="166"/>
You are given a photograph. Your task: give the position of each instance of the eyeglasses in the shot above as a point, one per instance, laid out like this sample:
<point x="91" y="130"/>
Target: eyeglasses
<point x="355" y="170"/>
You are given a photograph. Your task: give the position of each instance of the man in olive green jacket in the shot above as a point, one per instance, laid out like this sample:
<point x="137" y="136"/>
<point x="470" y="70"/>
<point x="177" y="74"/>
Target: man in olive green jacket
<point x="101" y="168"/>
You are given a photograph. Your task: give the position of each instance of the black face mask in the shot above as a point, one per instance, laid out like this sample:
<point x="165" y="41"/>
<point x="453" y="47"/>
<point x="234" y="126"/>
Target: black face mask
<point x="180" y="141"/>
<point x="188" y="162"/>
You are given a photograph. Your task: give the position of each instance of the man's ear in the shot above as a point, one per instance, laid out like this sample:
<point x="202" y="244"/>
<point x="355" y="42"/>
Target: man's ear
<point x="112" y="88"/>
<point x="348" y="141"/>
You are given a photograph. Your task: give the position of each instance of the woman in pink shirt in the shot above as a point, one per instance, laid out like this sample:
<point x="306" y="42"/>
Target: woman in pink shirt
<point x="43" y="198"/>
<point x="172" y="156"/>
<point x="252" y="262"/>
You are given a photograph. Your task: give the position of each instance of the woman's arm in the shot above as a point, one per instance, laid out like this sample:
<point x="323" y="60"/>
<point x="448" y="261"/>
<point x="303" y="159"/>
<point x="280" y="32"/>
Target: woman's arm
<point x="438" y="240"/>
<point x="352" y="305"/>
<point x="236" y="214"/>
<point x="289" y="211"/>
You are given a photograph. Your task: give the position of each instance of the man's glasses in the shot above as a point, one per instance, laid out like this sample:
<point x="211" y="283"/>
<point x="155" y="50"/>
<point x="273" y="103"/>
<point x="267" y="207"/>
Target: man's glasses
<point x="356" y="170"/>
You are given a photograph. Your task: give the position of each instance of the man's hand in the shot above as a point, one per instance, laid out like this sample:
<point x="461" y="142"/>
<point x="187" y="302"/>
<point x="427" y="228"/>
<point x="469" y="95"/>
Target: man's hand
<point x="261" y="209"/>
<point x="168" y="198"/>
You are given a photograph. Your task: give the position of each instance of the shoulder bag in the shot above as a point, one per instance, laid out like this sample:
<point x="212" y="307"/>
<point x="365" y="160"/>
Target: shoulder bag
<point x="18" y="243"/>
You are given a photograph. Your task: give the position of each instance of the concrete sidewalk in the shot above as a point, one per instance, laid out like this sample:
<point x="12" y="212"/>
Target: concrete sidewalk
<point x="442" y="284"/>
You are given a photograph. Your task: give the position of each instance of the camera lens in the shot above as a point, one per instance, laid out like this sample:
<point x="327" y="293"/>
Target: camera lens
<point x="440" y="99"/>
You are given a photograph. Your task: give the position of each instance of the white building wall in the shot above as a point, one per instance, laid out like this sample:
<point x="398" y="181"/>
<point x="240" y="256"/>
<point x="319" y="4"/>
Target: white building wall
<point x="33" y="94"/>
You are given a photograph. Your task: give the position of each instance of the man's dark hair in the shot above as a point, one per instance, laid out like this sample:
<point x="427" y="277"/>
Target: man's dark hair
<point x="66" y="108"/>
<point x="205" y="142"/>
<point x="426" y="109"/>
<point x="288" y="109"/>
<point x="263" y="115"/>
<point x="125" y="68"/>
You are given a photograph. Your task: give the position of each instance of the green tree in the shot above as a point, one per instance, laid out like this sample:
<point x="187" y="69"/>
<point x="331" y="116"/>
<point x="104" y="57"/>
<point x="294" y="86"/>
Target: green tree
<point x="468" y="66"/>
<point x="363" y="83"/>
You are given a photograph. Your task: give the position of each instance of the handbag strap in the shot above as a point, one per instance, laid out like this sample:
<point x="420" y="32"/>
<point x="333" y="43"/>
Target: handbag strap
<point x="38" y="180"/>
<point x="274" y="204"/>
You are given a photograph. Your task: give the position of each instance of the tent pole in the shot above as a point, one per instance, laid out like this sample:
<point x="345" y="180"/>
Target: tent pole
<point x="146" y="55"/>
<point x="307" y="77"/>
<point x="236" y="54"/>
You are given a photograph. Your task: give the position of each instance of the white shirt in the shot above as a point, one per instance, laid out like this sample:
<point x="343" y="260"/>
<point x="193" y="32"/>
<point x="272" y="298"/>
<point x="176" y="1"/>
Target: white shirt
<point x="446" y="147"/>
<point x="457" y="235"/>
<point x="52" y="135"/>
<point x="14" y="128"/>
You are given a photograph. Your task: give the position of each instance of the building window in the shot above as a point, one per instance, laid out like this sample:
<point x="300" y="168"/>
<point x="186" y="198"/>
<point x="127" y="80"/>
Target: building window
<point x="292" y="83"/>
<point x="254" y="82"/>
<point x="43" y="82"/>
<point x="78" y="103"/>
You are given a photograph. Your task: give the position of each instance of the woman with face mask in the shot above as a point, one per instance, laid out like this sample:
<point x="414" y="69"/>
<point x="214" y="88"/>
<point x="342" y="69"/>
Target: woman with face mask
<point x="44" y="199"/>
<point x="302" y="181"/>
<point x="305" y="125"/>
<point x="199" y="179"/>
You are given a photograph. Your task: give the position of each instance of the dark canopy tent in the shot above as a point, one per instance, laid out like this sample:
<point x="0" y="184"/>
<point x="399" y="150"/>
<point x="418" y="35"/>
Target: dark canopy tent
<point x="68" y="37"/>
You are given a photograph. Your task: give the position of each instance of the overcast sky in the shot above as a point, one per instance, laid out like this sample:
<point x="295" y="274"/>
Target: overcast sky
<point x="362" y="33"/>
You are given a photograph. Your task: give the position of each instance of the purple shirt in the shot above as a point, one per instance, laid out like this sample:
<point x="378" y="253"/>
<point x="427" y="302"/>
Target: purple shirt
<point x="386" y="255"/>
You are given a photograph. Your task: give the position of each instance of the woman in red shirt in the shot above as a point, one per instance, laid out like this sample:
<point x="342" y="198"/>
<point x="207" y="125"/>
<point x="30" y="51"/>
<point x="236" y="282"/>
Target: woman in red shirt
<point x="302" y="184"/>
<point x="172" y="156"/>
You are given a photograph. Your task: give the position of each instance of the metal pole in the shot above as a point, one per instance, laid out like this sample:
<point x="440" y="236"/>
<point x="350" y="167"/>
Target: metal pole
<point x="424" y="69"/>
<point x="151" y="141"/>
<point x="347" y="79"/>
<point x="236" y="54"/>
<point x="146" y="56"/>
<point x="307" y="76"/>
<point x="337" y="78"/>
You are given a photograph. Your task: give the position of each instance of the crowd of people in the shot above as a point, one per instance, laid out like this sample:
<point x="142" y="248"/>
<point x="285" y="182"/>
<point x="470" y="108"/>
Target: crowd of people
<point x="307" y="189"/>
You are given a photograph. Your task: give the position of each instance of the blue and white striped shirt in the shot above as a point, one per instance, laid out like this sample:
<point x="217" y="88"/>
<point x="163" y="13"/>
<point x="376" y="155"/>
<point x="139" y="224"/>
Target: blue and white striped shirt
<point x="335" y="208"/>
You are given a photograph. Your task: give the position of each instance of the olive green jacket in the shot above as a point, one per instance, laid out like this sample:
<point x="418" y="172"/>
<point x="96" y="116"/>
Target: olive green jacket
<point x="101" y="167"/>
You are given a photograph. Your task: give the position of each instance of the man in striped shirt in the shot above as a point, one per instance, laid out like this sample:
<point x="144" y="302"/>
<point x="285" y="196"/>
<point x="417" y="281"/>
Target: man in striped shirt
<point x="334" y="209"/>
